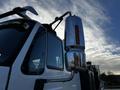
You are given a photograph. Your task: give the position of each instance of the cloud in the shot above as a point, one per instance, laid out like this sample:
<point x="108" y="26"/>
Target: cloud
<point x="99" y="49"/>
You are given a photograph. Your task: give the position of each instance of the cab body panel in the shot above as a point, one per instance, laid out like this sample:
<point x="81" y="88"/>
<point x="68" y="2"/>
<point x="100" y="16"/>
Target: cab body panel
<point x="28" y="81"/>
<point x="74" y="84"/>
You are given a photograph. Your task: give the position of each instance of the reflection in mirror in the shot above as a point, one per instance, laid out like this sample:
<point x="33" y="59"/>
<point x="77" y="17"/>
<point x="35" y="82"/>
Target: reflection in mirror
<point x="73" y="60"/>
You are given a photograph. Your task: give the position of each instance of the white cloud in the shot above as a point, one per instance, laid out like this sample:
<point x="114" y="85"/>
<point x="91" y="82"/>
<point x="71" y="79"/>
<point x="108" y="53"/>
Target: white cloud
<point x="98" y="49"/>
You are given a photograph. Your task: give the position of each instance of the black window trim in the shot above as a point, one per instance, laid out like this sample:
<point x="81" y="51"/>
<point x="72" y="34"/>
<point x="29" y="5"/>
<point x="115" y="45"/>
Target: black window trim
<point x="27" y="56"/>
<point x="45" y="62"/>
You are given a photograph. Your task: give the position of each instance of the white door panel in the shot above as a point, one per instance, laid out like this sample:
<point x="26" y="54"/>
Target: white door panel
<point x="74" y="84"/>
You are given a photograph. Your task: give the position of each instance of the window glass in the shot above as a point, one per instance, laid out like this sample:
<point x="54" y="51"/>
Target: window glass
<point x="36" y="56"/>
<point x="10" y="40"/>
<point x="73" y="59"/>
<point x="54" y="59"/>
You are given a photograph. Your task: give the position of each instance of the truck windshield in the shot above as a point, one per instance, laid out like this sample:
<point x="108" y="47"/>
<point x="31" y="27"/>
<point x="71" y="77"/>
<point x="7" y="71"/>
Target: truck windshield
<point x="10" y="41"/>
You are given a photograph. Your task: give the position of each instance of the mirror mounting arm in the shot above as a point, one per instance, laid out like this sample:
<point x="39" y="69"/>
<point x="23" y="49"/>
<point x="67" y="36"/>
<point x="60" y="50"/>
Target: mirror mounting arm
<point x="59" y="19"/>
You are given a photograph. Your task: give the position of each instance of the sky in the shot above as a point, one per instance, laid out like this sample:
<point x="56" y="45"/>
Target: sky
<point x="100" y="22"/>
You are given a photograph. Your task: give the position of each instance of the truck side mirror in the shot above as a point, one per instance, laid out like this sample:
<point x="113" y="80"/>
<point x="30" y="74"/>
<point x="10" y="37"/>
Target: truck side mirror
<point x="73" y="60"/>
<point x="74" y="43"/>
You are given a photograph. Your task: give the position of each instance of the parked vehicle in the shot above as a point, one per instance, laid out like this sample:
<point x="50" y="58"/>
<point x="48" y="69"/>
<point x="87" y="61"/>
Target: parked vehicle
<point x="33" y="57"/>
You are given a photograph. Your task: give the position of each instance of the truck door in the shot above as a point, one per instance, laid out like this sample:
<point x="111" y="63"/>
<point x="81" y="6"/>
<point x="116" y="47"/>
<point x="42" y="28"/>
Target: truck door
<point x="20" y="78"/>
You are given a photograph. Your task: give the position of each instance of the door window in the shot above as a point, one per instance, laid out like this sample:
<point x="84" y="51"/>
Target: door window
<point x="10" y="42"/>
<point x="55" y="58"/>
<point x="36" y="56"/>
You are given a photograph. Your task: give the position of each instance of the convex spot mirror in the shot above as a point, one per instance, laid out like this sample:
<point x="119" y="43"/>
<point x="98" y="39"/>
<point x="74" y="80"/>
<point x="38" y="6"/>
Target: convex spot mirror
<point x="73" y="60"/>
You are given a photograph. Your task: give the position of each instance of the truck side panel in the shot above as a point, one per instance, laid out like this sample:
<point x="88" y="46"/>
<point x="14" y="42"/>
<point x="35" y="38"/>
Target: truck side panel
<point x="74" y="84"/>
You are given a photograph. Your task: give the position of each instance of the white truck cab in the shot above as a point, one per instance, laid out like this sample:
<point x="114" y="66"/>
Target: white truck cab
<point x="33" y="57"/>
